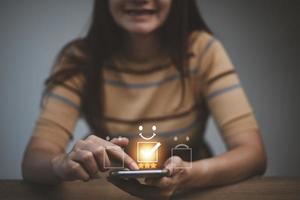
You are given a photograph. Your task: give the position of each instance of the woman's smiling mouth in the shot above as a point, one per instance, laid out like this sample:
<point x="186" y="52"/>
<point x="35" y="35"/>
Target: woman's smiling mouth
<point x="140" y="13"/>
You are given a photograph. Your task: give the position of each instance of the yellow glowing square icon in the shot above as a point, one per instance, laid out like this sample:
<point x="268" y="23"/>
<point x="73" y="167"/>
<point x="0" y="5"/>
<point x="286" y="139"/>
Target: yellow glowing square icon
<point x="147" y="151"/>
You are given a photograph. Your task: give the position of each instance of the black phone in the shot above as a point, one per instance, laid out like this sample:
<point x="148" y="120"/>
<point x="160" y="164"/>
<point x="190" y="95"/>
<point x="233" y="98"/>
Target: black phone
<point x="157" y="173"/>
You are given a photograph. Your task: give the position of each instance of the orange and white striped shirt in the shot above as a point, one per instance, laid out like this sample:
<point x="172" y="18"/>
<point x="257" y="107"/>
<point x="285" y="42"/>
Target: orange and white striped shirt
<point x="152" y="97"/>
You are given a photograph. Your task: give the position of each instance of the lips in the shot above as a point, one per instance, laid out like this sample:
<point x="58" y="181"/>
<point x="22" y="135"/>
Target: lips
<point x="140" y="12"/>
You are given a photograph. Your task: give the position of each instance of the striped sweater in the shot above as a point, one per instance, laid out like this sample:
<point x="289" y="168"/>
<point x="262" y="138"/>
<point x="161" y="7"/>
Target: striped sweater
<point x="135" y="97"/>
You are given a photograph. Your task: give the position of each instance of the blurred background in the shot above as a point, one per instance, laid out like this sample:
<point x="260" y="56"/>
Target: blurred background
<point x="261" y="37"/>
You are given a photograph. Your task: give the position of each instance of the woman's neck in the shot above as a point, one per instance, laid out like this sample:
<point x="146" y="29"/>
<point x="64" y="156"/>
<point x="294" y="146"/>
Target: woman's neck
<point x="143" y="48"/>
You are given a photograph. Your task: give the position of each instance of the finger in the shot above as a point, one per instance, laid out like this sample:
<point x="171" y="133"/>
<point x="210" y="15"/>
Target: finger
<point x="168" y="161"/>
<point x="87" y="160"/>
<point x="173" y="165"/>
<point x="101" y="158"/>
<point x="121" y="141"/>
<point x="96" y="145"/>
<point x="118" y="153"/>
<point x="111" y="149"/>
<point x="149" y="181"/>
<point x="107" y="162"/>
<point x="79" y="144"/>
<point x="75" y="171"/>
<point x="164" y="182"/>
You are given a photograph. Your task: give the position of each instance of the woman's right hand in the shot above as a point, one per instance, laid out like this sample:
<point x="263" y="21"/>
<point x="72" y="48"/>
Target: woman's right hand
<point x="88" y="157"/>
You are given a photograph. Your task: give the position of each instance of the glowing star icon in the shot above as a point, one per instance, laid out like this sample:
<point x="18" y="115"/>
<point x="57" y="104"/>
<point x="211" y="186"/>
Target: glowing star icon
<point x="147" y="138"/>
<point x="141" y="165"/>
<point x="153" y="165"/>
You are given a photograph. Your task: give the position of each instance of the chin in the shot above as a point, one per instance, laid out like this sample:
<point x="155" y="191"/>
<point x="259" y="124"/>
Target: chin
<point x="141" y="29"/>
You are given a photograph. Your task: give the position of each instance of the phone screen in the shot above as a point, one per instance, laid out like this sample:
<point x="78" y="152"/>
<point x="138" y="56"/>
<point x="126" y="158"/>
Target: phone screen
<point x="139" y="173"/>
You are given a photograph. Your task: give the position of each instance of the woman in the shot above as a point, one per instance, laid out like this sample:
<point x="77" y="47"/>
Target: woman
<point x="145" y="62"/>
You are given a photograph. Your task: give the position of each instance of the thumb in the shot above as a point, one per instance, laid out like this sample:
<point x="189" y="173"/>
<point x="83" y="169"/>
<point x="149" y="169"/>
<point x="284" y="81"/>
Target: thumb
<point x="121" y="141"/>
<point x="174" y="165"/>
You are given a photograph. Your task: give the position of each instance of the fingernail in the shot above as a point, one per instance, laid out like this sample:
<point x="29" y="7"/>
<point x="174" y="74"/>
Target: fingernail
<point x="124" y="138"/>
<point x="134" y="165"/>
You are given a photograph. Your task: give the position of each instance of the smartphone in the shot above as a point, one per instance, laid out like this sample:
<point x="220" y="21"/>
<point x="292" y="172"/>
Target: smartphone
<point x="157" y="173"/>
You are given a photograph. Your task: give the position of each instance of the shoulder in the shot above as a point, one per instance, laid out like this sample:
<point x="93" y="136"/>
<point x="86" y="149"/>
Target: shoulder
<point x="200" y="42"/>
<point x="69" y="65"/>
<point x="71" y="54"/>
<point x="206" y="50"/>
<point x="75" y="47"/>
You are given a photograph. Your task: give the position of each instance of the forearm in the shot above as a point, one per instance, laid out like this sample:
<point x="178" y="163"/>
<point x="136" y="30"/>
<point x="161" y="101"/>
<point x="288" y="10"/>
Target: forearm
<point x="37" y="167"/>
<point x="235" y="165"/>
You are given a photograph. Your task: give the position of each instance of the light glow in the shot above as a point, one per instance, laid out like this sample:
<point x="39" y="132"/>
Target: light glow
<point x="148" y="151"/>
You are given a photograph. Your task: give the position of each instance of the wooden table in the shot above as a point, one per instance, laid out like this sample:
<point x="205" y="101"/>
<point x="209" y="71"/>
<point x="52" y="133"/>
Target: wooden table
<point x="255" y="189"/>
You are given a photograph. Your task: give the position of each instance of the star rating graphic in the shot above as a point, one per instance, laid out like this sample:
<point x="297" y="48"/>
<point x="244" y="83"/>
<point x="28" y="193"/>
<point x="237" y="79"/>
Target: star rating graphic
<point x="147" y="165"/>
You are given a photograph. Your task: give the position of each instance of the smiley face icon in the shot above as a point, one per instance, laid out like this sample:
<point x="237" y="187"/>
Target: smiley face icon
<point x="147" y="138"/>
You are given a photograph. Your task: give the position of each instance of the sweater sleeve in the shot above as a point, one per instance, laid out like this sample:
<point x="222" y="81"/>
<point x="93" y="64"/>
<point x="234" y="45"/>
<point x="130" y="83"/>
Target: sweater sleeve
<point x="223" y="91"/>
<point x="59" y="112"/>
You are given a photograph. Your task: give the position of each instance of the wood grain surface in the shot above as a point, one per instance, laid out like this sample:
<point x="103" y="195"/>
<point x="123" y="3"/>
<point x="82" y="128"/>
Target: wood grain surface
<point x="257" y="188"/>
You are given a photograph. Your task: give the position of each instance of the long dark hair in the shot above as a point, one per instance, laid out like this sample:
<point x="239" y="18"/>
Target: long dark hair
<point x="86" y="56"/>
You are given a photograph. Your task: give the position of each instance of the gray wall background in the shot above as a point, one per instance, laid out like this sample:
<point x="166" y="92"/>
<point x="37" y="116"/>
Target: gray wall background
<point x="261" y="36"/>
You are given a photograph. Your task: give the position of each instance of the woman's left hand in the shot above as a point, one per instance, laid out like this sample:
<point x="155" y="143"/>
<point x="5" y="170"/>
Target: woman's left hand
<point x="158" y="188"/>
